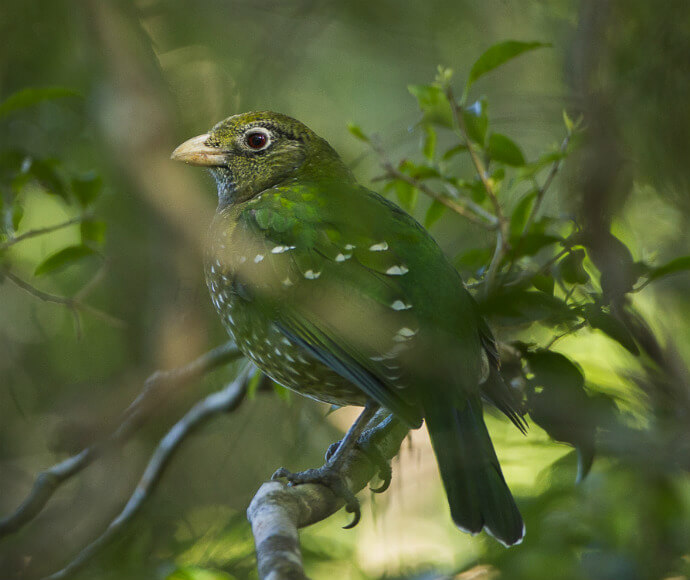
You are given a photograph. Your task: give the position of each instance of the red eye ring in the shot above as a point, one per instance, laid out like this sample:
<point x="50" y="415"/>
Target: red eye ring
<point x="256" y="140"/>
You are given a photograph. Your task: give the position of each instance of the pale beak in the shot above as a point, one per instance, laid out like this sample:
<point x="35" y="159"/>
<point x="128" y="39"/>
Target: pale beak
<point x="195" y="151"/>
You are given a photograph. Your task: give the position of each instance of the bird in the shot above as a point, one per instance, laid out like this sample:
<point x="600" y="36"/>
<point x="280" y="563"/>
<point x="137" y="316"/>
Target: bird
<point x="337" y="293"/>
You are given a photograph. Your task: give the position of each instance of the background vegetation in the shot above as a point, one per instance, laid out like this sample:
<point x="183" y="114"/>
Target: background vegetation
<point x="587" y="288"/>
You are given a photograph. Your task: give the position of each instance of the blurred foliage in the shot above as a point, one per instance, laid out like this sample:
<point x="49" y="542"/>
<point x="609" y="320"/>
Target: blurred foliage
<point x="556" y="179"/>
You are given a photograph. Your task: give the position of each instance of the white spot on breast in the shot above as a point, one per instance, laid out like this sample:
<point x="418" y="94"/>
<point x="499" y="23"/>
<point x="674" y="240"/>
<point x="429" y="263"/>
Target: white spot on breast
<point x="243" y="259"/>
<point x="380" y="247"/>
<point x="258" y="258"/>
<point x="350" y="246"/>
<point x="287" y="282"/>
<point x="289" y="358"/>
<point x="404" y="334"/>
<point x="277" y="351"/>
<point x="280" y="249"/>
<point x="342" y="257"/>
<point x="286" y="341"/>
<point x="311" y="275"/>
<point x="400" y="305"/>
<point x="397" y="270"/>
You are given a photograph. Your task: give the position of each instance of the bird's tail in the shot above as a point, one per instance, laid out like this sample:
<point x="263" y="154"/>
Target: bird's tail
<point x="477" y="492"/>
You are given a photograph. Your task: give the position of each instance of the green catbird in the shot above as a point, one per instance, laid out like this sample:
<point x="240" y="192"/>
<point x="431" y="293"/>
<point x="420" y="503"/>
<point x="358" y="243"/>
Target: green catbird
<point x="340" y="295"/>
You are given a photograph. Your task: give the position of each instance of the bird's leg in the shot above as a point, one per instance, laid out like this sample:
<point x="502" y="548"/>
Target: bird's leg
<point x="330" y="474"/>
<point x="367" y="445"/>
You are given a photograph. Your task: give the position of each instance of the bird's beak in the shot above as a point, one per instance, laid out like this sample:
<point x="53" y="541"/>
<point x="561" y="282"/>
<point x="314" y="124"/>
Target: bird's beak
<point x="195" y="151"/>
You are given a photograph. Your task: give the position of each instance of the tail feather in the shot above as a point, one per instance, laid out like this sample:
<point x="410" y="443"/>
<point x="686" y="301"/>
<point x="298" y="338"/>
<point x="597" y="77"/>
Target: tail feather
<point x="478" y="495"/>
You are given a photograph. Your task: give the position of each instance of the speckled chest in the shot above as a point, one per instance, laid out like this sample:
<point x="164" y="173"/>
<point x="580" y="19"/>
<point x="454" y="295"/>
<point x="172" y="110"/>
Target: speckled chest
<point x="254" y="331"/>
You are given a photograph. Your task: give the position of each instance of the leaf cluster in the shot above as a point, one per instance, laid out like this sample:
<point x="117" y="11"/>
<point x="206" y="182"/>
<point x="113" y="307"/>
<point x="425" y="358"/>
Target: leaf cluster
<point x="535" y="270"/>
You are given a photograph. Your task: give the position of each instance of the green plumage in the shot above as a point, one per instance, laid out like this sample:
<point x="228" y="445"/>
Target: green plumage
<point x="338" y="294"/>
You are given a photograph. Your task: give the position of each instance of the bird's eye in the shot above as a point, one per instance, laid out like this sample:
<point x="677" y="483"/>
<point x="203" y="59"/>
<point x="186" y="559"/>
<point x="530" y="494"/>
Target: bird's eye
<point x="257" y="140"/>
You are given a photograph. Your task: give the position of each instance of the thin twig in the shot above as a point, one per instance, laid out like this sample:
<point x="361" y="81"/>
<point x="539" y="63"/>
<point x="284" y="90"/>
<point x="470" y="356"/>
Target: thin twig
<point x="555" y="339"/>
<point x="545" y="266"/>
<point x="541" y="192"/>
<point x="224" y="401"/>
<point x="157" y="387"/>
<point x="502" y="233"/>
<point x="489" y="221"/>
<point x="73" y="304"/>
<point x="42" y="231"/>
<point x="478" y="164"/>
<point x="277" y="511"/>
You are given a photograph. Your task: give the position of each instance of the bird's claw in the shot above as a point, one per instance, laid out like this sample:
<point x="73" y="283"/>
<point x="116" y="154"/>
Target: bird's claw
<point x="330" y="477"/>
<point x="372" y="452"/>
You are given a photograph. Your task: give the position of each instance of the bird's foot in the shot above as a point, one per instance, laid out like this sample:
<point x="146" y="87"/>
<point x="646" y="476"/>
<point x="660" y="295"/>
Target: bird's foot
<point x="369" y="448"/>
<point x="329" y="475"/>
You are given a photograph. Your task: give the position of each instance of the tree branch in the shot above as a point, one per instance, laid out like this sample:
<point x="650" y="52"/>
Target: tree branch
<point x="277" y="511"/>
<point x="158" y="386"/>
<point x="224" y="401"/>
<point x="42" y="231"/>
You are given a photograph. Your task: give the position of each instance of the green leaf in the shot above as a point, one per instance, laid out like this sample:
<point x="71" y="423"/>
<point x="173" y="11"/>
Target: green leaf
<point x="434" y="213"/>
<point x="571" y="268"/>
<point x="418" y="171"/>
<point x="497" y="55"/>
<point x="406" y="194"/>
<point x="532" y="243"/>
<point x="63" y="258"/>
<point x="611" y="326"/>
<point x="505" y="150"/>
<point x="522" y="210"/>
<point x="92" y="232"/>
<point x="197" y="573"/>
<point x="281" y="392"/>
<point x="672" y="267"/>
<point x="17" y="214"/>
<point x="30" y="97"/>
<point x="434" y="104"/>
<point x="552" y="369"/>
<point x="544" y="283"/>
<point x="86" y="188"/>
<point x="516" y="307"/>
<point x="443" y="76"/>
<point x="476" y="120"/>
<point x="569" y="125"/>
<point x="529" y="170"/>
<point x="474" y="260"/>
<point x="46" y="173"/>
<point x="429" y="144"/>
<point x="614" y="260"/>
<point x="559" y="404"/>
<point x="454" y="151"/>
<point x="357" y="132"/>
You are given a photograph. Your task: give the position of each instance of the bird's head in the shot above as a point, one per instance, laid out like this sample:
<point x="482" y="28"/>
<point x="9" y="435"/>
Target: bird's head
<point x="251" y="152"/>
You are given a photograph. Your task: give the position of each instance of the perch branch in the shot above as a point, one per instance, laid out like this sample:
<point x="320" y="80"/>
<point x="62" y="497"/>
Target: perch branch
<point x="157" y="387"/>
<point x="277" y="511"/>
<point x="224" y="401"/>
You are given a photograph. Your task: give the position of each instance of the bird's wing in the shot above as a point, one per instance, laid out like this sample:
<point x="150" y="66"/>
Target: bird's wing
<point x="340" y="290"/>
